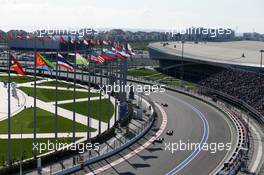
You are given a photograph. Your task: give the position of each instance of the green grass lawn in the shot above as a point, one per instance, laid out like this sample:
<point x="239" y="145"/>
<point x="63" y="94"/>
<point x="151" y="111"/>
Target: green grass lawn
<point x="177" y="82"/>
<point x="141" y="72"/>
<point x="156" y="77"/>
<point x="18" y="79"/>
<point x="45" y="123"/>
<point x="141" y="45"/>
<point x="24" y="147"/>
<point x="48" y="95"/>
<point x="60" y="84"/>
<point x="81" y="108"/>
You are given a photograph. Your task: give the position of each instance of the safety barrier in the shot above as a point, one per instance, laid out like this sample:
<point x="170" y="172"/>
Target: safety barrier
<point x="234" y="161"/>
<point x="113" y="151"/>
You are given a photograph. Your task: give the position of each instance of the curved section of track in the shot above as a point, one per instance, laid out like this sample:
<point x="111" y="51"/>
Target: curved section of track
<point x="204" y="139"/>
<point x="191" y="121"/>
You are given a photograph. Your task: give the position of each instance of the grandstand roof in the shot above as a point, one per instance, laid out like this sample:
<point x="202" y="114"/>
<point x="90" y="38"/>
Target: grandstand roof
<point x="216" y="52"/>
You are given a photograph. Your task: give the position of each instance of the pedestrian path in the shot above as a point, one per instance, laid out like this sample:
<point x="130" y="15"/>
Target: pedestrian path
<point x="122" y="135"/>
<point x="28" y="102"/>
<point x="77" y="100"/>
<point x="17" y="104"/>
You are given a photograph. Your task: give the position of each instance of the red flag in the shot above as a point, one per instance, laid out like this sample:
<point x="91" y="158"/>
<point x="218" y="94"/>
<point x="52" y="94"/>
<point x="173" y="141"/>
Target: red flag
<point x="15" y="65"/>
<point x="10" y="37"/>
<point x="2" y="38"/>
<point x="97" y="59"/>
<point x="62" y="40"/>
<point x="47" y="39"/>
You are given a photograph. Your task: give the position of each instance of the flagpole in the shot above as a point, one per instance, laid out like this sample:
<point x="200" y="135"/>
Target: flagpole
<point x="109" y="96"/>
<point x="116" y="79"/>
<point x="79" y="42"/>
<point x="9" y="112"/>
<point x="121" y="87"/>
<point x="56" y="103"/>
<point x="74" y="96"/>
<point x="68" y="49"/>
<point x="100" y="99"/>
<point x="89" y="100"/>
<point x="35" y="101"/>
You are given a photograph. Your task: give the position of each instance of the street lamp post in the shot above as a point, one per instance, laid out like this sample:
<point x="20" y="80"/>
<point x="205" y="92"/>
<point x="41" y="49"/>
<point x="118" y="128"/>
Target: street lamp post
<point x="261" y="58"/>
<point x="182" y="69"/>
<point x="260" y="68"/>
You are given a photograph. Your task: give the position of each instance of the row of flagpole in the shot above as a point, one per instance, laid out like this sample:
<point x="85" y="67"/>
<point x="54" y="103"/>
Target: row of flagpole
<point x="40" y="62"/>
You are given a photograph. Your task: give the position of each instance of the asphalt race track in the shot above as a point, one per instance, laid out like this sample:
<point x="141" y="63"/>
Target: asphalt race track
<point x="192" y="121"/>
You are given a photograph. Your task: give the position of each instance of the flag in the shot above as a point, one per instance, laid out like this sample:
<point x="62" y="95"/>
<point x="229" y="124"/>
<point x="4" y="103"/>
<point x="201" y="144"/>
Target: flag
<point x="72" y="40"/>
<point x="97" y="58"/>
<point x="2" y="38"/>
<point x="80" y="60"/>
<point x="54" y="38"/>
<point x="15" y="65"/>
<point x="62" y="62"/>
<point x="121" y="54"/>
<point x="19" y="37"/>
<point x="85" y="42"/>
<point x="62" y="40"/>
<point x="105" y="42"/>
<point x="119" y="46"/>
<point x="43" y="63"/>
<point x="108" y="55"/>
<point x="10" y="37"/>
<point x="92" y="42"/>
<point x="47" y="39"/>
<point x="129" y="50"/>
<point x="98" y="43"/>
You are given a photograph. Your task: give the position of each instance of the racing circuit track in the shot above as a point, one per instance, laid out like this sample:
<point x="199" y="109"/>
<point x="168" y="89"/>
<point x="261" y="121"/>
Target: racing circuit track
<point x="193" y="121"/>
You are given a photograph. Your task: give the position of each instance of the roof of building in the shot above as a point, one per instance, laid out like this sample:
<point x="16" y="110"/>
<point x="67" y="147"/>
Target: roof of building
<point x="245" y="53"/>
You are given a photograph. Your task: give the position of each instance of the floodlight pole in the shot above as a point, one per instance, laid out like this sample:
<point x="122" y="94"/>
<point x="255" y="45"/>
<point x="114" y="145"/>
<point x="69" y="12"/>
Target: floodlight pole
<point x="182" y="62"/>
<point x="260" y="68"/>
<point x="261" y="59"/>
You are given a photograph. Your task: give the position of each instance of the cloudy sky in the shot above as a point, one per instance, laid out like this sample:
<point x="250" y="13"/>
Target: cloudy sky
<point x="241" y="15"/>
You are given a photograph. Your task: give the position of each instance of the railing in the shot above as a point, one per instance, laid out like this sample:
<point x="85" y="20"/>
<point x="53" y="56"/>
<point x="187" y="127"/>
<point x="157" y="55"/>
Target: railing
<point x="257" y="115"/>
<point x="76" y="163"/>
<point x="233" y="163"/>
<point x="109" y="150"/>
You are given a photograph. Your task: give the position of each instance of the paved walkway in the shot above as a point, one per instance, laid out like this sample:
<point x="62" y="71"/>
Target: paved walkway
<point x="77" y="100"/>
<point x="113" y="143"/>
<point x="16" y="106"/>
<point x="28" y="102"/>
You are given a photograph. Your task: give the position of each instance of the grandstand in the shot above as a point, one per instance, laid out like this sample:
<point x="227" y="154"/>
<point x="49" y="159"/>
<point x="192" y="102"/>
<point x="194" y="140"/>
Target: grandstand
<point x="230" y="68"/>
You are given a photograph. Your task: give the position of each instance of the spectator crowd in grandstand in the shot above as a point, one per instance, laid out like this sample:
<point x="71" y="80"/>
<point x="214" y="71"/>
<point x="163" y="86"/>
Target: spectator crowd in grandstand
<point x="247" y="86"/>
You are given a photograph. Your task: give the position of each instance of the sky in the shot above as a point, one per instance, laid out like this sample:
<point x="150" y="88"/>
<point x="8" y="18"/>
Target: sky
<point x="240" y="15"/>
